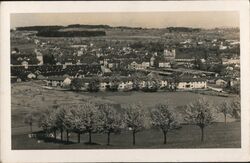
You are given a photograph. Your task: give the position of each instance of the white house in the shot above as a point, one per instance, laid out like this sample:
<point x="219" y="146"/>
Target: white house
<point x="192" y="83"/>
<point x="25" y="64"/>
<point x="139" y="66"/>
<point x="56" y="81"/>
<point x="125" y="84"/>
<point x="164" y="64"/>
<point x="221" y="82"/>
<point x="66" y="81"/>
<point x="163" y="83"/>
<point x="31" y="76"/>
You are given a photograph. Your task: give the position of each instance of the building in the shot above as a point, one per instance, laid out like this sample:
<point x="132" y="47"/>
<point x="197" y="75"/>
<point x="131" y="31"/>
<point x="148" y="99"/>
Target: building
<point x="230" y="61"/>
<point x="25" y="64"/>
<point x="192" y="83"/>
<point x="31" y="76"/>
<point x="139" y="65"/>
<point x="221" y="82"/>
<point x="58" y="81"/>
<point x="152" y="61"/>
<point x="39" y="57"/>
<point x="125" y="84"/>
<point x="169" y="54"/>
<point x="164" y="64"/>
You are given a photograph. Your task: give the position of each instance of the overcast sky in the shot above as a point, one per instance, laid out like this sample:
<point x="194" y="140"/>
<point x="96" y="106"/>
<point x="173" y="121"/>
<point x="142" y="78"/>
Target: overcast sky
<point x="149" y="19"/>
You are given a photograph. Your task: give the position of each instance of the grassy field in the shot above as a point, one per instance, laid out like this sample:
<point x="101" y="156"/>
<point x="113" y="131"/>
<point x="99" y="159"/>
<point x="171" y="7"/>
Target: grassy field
<point x="30" y="96"/>
<point x="218" y="135"/>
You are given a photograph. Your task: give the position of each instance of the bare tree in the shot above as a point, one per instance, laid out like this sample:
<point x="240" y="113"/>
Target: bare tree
<point x="59" y="120"/>
<point x="199" y="113"/>
<point x="225" y="109"/>
<point x="111" y="121"/>
<point x="164" y="119"/>
<point x="134" y="118"/>
<point x="75" y="121"/>
<point x="90" y="118"/>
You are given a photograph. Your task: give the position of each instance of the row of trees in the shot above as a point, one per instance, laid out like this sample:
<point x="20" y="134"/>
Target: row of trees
<point x="90" y="118"/>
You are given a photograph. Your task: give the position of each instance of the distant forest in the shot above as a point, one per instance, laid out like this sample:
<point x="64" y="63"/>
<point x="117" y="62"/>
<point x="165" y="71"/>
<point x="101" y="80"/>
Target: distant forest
<point x="54" y="33"/>
<point x="183" y="29"/>
<point x="57" y="27"/>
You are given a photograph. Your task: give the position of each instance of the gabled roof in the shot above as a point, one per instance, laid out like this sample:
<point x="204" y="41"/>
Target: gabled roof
<point x="56" y="78"/>
<point x="192" y="79"/>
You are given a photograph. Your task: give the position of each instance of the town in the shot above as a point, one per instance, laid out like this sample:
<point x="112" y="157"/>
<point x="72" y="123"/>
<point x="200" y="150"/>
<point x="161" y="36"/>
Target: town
<point x="179" y="59"/>
<point x="173" y="87"/>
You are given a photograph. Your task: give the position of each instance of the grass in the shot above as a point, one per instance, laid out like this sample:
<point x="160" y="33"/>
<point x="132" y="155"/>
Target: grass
<point x="218" y="135"/>
<point x="30" y="96"/>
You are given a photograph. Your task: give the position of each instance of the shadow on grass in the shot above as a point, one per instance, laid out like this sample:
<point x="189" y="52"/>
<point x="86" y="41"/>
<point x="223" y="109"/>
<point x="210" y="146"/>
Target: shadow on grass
<point x="92" y="143"/>
<point x="40" y="135"/>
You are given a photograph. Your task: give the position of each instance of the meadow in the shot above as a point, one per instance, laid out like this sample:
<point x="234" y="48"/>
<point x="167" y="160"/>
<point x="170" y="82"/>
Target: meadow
<point x="30" y="96"/>
<point x="218" y="135"/>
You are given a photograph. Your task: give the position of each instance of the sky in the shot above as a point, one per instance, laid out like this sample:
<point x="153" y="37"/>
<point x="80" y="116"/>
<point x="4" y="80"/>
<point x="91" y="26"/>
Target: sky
<point x="203" y="19"/>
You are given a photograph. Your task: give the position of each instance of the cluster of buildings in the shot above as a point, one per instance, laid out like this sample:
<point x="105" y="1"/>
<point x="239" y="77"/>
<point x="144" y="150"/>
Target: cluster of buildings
<point x="85" y="60"/>
<point x="123" y="83"/>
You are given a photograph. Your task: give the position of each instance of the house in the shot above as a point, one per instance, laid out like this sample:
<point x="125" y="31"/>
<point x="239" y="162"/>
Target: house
<point x="57" y="81"/>
<point x="19" y="59"/>
<point x="37" y="72"/>
<point x="31" y="76"/>
<point x="152" y="61"/>
<point x="39" y="57"/>
<point x="164" y="64"/>
<point x="165" y="81"/>
<point x="221" y="82"/>
<point x="169" y="54"/>
<point x="104" y="82"/>
<point x="226" y="61"/>
<point x="139" y="65"/>
<point x="192" y="83"/>
<point x="66" y="81"/>
<point x="25" y="64"/>
<point x="145" y="64"/>
<point x="125" y="84"/>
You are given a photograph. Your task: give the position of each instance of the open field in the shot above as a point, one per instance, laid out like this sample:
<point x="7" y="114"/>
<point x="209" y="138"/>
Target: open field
<point x="30" y="96"/>
<point x="218" y="135"/>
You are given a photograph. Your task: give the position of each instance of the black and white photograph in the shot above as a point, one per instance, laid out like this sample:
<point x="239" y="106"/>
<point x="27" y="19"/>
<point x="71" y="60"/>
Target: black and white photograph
<point x="125" y="80"/>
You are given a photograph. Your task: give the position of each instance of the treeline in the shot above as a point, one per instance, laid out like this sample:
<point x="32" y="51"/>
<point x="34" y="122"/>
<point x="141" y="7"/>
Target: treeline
<point x="39" y="28"/>
<point x="54" y="33"/>
<point x="183" y="29"/>
<point x="90" y="117"/>
<point x="87" y="26"/>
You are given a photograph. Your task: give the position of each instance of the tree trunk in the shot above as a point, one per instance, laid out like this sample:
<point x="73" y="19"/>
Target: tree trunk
<point x="202" y="134"/>
<point x="79" y="137"/>
<point x="133" y="137"/>
<point x="61" y="135"/>
<point x="67" y="134"/>
<point x="225" y="118"/>
<point x="108" y="138"/>
<point x="31" y="128"/>
<point x="90" y="139"/>
<point x="55" y="134"/>
<point x="165" y="137"/>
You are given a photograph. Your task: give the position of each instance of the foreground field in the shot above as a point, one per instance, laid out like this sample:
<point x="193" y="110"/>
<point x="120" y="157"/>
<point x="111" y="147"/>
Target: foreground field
<point x="218" y="135"/>
<point x="30" y="96"/>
